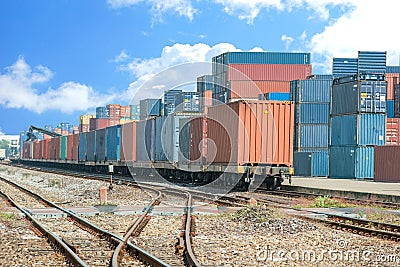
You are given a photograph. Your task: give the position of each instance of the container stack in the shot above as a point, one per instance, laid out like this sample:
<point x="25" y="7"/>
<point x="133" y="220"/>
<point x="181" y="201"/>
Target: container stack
<point x="84" y="122"/>
<point x="150" y="108"/>
<point x="392" y="78"/>
<point x="311" y="99"/>
<point x="342" y="67"/>
<point x="169" y="101"/>
<point x="187" y="102"/>
<point x="245" y="75"/>
<point x="358" y="123"/>
<point x="204" y="87"/>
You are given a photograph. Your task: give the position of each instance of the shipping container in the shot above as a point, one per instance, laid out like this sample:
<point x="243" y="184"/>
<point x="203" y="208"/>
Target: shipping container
<point x="277" y="96"/>
<point x="392" y="79"/>
<point x="262" y="58"/>
<point x="344" y="67"/>
<point x="251" y="89"/>
<point x="311" y="113"/>
<point x="320" y="77"/>
<point x="102" y="123"/>
<point x="113" y="143"/>
<point x="371" y="62"/>
<point x="311" y="164"/>
<point x="63" y="147"/>
<point x="27" y="150"/>
<point x="351" y="162"/>
<point x="85" y="119"/>
<point x="204" y="83"/>
<point x="358" y="97"/>
<point x="311" y="91"/>
<point x="390" y="108"/>
<point x="184" y="140"/>
<point x="92" y="124"/>
<point x="160" y="141"/>
<point x="251" y="132"/>
<point x="187" y="102"/>
<point x="392" y="69"/>
<point x="135" y="112"/>
<point x="45" y="148"/>
<point x="361" y="129"/>
<point x="268" y="72"/>
<point x="150" y="107"/>
<point x="54" y="148"/>
<point x="83" y="128"/>
<point x="397" y="101"/>
<point x="198" y="140"/>
<point x="82" y="147"/>
<point x="308" y="136"/>
<point x="37" y="149"/>
<point x="101" y="113"/>
<point x="386" y="164"/>
<point x="125" y="111"/>
<point x="113" y="111"/>
<point x="145" y="140"/>
<point x="393" y="131"/>
<point x="64" y="132"/>
<point x="128" y="145"/>
<point x="205" y="100"/>
<point x="100" y="145"/>
<point x="91" y="146"/>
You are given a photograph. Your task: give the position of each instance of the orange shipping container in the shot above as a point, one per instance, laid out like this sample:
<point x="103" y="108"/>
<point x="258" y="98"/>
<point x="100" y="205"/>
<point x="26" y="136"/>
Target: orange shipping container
<point x="392" y="131"/>
<point x="268" y="72"/>
<point x="392" y="79"/>
<point x="128" y="136"/>
<point x="251" y="89"/>
<point x="251" y="132"/>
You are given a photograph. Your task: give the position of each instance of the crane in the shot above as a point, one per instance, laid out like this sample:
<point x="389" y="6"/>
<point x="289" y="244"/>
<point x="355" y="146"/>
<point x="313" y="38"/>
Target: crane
<point x="31" y="136"/>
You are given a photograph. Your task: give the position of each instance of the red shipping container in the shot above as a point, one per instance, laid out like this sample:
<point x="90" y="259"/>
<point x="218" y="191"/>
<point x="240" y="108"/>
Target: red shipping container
<point x="251" y="89"/>
<point x="198" y="140"/>
<point x="92" y="124"/>
<point x="392" y="131"/>
<point x="45" y="148"/>
<point x="64" y="132"/>
<point x="26" y="150"/>
<point x="54" y="148"/>
<point x="392" y="79"/>
<point x="101" y="124"/>
<point x="386" y="163"/>
<point x="84" y="128"/>
<point x="72" y="146"/>
<point x="113" y="122"/>
<point x="125" y="111"/>
<point x="114" y="111"/>
<point x="268" y="72"/>
<point x="37" y="150"/>
<point x="128" y="137"/>
<point x="247" y="132"/>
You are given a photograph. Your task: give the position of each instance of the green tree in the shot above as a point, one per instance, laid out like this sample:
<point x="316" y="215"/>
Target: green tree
<point x="4" y="144"/>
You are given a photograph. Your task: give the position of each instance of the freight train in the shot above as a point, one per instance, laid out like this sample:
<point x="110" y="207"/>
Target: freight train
<point x="243" y="143"/>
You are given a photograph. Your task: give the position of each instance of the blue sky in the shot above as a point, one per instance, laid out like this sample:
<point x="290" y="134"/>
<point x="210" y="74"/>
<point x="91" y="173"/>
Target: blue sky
<point x="60" y="59"/>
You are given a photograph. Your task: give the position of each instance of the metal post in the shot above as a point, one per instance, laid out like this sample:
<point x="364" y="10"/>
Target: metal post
<point x="111" y="170"/>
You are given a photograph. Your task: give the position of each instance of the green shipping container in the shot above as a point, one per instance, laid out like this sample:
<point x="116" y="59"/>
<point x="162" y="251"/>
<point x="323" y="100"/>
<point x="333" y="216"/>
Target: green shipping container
<point x="63" y="148"/>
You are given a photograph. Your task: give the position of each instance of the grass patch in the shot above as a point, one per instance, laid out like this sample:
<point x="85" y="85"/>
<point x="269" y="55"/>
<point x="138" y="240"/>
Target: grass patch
<point x="6" y="216"/>
<point x="256" y="213"/>
<point x="328" y="202"/>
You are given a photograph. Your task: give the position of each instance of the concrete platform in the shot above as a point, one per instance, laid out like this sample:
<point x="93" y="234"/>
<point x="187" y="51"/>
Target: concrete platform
<point x="364" y="189"/>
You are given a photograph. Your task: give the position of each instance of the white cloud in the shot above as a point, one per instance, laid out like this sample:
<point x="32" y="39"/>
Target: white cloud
<point x="287" y="40"/>
<point x="17" y="90"/>
<point x="183" y="8"/>
<point x="123" y="56"/>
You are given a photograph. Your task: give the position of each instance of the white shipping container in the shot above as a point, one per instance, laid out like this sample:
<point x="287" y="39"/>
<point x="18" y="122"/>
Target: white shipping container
<point x="2" y="153"/>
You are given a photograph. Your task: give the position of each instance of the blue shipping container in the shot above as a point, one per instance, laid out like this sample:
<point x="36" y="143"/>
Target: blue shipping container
<point x="101" y="145"/>
<point x="145" y="140"/>
<point x="262" y="58"/>
<point x="91" y="146"/>
<point x="358" y="97"/>
<point x="320" y="77"/>
<point x="371" y="62"/>
<point x="278" y="96"/>
<point x="311" y="136"/>
<point x="344" y="67"/>
<point x="311" y="113"/>
<point x="310" y="91"/>
<point x="311" y="164"/>
<point x="392" y="69"/>
<point x="82" y="147"/>
<point x="113" y="143"/>
<point x="150" y="107"/>
<point x="390" y="108"/>
<point x="362" y="129"/>
<point x="351" y="162"/>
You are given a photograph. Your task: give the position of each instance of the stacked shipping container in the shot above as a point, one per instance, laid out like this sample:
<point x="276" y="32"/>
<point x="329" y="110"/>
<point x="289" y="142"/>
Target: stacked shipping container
<point x="311" y="130"/>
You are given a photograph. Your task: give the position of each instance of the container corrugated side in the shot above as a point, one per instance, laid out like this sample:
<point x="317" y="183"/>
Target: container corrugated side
<point x="371" y="62"/>
<point x="397" y="101"/>
<point x="390" y="108"/>
<point x="113" y="143"/>
<point x="311" y="164"/>
<point x="162" y="140"/>
<point x="392" y="69"/>
<point x="393" y="131"/>
<point x="184" y="140"/>
<point x="311" y="113"/>
<point x="91" y="146"/>
<point x="311" y="91"/>
<point x="251" y="132"/>
<point x="198" y="140"/>
<point x="358" y="97"/>
<point x="82" y="146"/>
<point x="392" y="79"/>
<point x="145" y="140"/>
<point x="54" y="148"/>
<point x="344" y="66"/>
<point x="277" y="96"/>
<point x="101" y="145"/>
<point x="386" y="164"/>
<point x="128" y="145"/>
<point x="170" y="137"/>
<point x="75" y="148"/>
<point x="262" y="58"/>
<point x="351" y="162"/>
<point x="362" y="129"/>
<point x="251" y="89"/>
<point x="70" y="145"/>
<point x="36" y="149"/>
<point x="63" y="148"/>
<point x="268" y="72"/>
<point x="311" y="136"/>
<point x="45" y="148"/>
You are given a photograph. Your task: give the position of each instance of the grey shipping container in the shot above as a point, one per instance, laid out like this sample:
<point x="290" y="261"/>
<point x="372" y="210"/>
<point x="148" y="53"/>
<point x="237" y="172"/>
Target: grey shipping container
<point x="91" y="146"/>
<point x="351" y="162"/>
<point x="371" y="62"/>
<point x="358" y="97"/>
<point x="101" y="145"/>
<point x="113" y="143"/>
<point x="160" y="146"/>
<point x="360" y="129"/>
<point x="311" y="113"/>
<point x="311" y="136"/>
<point x="150" y="107"/>
<point x="184" y="140"/>
<point x="82" y="147"/>
<point x="145" y="140"/>
<point x="170" y="137"/>
<point x="310" y="91"/>
<point x="311" y="164"/>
